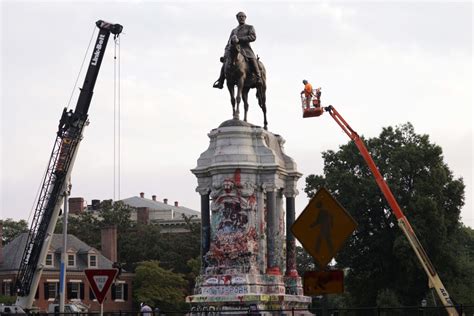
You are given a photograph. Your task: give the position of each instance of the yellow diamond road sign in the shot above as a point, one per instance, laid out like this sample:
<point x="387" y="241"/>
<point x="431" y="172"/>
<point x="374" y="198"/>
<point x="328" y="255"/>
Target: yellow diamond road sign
<point x="323" y="227"/>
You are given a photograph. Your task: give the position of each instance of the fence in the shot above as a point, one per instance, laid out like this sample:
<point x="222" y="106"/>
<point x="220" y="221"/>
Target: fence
<point x="464" y="310"/>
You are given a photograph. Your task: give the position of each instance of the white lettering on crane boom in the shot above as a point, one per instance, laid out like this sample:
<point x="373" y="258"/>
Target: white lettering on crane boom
<point x="98" y="48"/>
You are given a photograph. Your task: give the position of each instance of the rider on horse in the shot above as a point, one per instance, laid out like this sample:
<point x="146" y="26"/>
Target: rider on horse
<point x="242" y="34"/>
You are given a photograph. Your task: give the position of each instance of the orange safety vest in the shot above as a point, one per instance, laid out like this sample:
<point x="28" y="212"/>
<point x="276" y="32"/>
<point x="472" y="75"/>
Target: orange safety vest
<point x="308" y="89"/>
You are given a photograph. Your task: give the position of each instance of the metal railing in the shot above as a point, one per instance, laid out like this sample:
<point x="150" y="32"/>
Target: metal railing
<point x="465" y="310"/>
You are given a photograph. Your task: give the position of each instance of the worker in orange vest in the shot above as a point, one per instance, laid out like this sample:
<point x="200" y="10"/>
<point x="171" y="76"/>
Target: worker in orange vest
<point x="308" y="93"/>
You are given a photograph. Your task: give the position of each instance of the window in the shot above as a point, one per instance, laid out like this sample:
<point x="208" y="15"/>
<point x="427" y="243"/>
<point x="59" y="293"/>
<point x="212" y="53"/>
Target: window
<point x="92" y="261"/>
<point x="71" y="260"/>
<point x="75" y="291"/>
<point x="120" y="291"/>
<point x="49" y="260"/>
<point x="51" y="290"/>
<point x="7" y="286"/>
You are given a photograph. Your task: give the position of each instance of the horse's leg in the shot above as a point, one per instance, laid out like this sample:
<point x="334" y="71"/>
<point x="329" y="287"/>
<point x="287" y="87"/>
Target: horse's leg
<point x="262" y="103"/>
<point x="230" y="87"/>
<point x="240" y="85"/>
<point x="245" y="96"/>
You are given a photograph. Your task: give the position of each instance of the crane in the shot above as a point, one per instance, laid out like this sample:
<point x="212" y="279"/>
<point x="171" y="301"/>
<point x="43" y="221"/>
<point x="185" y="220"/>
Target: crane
<point x="403" y="223"/>
<point x="55" y="182"/>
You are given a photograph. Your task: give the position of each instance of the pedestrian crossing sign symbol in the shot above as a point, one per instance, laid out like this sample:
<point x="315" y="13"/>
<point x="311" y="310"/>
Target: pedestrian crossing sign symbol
<point x="323" y="227"/>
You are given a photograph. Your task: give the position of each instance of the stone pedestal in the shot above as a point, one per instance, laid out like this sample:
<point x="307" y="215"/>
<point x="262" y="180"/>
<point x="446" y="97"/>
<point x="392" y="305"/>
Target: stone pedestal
<point x="243" y="178"/>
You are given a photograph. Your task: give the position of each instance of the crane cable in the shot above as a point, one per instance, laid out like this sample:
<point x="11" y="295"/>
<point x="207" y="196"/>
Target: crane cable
<point x="82" y="66"/>
<point x="117" y="127"/>
<point x="40" y="185"/>
<point x="68" y="104"/>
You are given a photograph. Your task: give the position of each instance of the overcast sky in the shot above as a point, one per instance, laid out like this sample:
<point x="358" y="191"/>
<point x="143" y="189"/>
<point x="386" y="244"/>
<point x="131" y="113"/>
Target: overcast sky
<point x="379" y="63"/>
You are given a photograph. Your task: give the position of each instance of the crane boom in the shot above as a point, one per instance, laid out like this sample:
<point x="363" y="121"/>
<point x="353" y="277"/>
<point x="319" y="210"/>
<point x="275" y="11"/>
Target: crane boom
<point x="433" y="277"/>
<point x="56" y="179"/>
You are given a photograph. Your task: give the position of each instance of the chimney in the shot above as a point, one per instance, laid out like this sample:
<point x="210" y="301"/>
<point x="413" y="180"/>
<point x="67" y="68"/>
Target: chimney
<point x="143" y="215"/>
<point x="165" y="201"/>
<point x="142" y="195"/>
<point x="176" y="203"/>
<point x="153" y="197"/>
<point x="95" y="205"/>
<point x="1" y="242"/>
<point x="76" y="205"/>
<point x="108" y="241"/>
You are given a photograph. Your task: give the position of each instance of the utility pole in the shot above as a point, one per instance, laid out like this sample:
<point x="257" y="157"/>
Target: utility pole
<point x="62" y="281"/>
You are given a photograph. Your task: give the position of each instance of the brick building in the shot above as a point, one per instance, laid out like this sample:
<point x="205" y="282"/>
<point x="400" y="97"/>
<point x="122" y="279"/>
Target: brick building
<point x="80" y="256"/>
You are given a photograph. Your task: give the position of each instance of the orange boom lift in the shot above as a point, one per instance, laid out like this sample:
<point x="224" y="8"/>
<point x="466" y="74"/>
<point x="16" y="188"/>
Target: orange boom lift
<point x="434" y="280"/>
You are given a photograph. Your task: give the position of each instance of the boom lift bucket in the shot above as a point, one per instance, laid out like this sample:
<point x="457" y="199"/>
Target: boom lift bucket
<point x="311" y="105"/>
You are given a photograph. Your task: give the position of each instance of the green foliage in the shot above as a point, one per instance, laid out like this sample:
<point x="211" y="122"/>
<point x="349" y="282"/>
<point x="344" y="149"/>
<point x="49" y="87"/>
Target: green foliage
<point x="382" y="264"/>
<point x="177" y="249"/>
<point x="387" y="298"/>
<point x="139" y="243"/>
<point x="194" y="265"/>
<point x="460" y="262"/>
<point x="159" y="287"/>
<point x="179" y="252"/>
<point x="116" y="214"/>
<point x="85" y="226"/>
<point x="11" y="229"/>
<point x="304" y="262"/>
<point x="7" y="300"/>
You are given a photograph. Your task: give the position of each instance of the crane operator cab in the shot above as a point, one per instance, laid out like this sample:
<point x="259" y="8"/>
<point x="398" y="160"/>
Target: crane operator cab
<point x="311" y="103"/>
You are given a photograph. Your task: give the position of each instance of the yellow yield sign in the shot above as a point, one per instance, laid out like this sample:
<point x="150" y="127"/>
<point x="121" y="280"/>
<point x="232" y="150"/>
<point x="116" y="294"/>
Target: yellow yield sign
<point x="323" y="227"/>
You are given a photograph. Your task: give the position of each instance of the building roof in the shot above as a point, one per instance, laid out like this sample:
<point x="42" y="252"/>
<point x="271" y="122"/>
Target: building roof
<point x="13" y="251"/>
<point x="136" y="201"/>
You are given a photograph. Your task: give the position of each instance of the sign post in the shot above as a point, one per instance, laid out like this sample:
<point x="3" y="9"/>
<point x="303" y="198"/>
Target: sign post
<point x="100" y="281"/>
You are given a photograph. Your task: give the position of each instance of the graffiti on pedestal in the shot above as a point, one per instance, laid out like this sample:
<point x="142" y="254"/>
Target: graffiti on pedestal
<point x="234" y="236"/>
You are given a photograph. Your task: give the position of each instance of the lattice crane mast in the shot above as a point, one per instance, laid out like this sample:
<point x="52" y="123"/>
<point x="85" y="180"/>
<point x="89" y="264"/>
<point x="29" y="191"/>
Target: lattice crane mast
<point x="55" y="182"/>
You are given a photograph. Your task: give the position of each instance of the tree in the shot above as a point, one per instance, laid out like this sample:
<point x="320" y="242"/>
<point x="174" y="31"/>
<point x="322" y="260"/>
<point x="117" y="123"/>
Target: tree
<point x="159" y="287"/>
<point x="115" y="213"/>
<point x="461" y="256"/>
<point x="7" y="300"/>
<point x="11" y="229"/>
<point x="304" y="262"/>
<point x="139" y="243"/>
<point x="85" y="226"/>
<point x="378" y="255"/>
<point x="178" y="248"/>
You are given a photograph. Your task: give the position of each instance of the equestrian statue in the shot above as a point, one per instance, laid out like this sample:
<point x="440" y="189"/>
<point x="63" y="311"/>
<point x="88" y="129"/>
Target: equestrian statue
<point x="243" y="69"/>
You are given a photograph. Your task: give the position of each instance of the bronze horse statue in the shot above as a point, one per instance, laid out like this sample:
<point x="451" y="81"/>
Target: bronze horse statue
<point x="238" y="74"/>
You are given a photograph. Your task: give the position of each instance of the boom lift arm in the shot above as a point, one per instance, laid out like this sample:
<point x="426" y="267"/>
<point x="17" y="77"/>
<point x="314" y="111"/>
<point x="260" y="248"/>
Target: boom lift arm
<point x="434" y="280"/>
<point x="56" y="179"/>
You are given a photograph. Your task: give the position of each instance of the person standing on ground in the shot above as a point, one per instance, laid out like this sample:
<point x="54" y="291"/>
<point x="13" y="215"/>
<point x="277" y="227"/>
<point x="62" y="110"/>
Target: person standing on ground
<point x="145" y="309"/>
